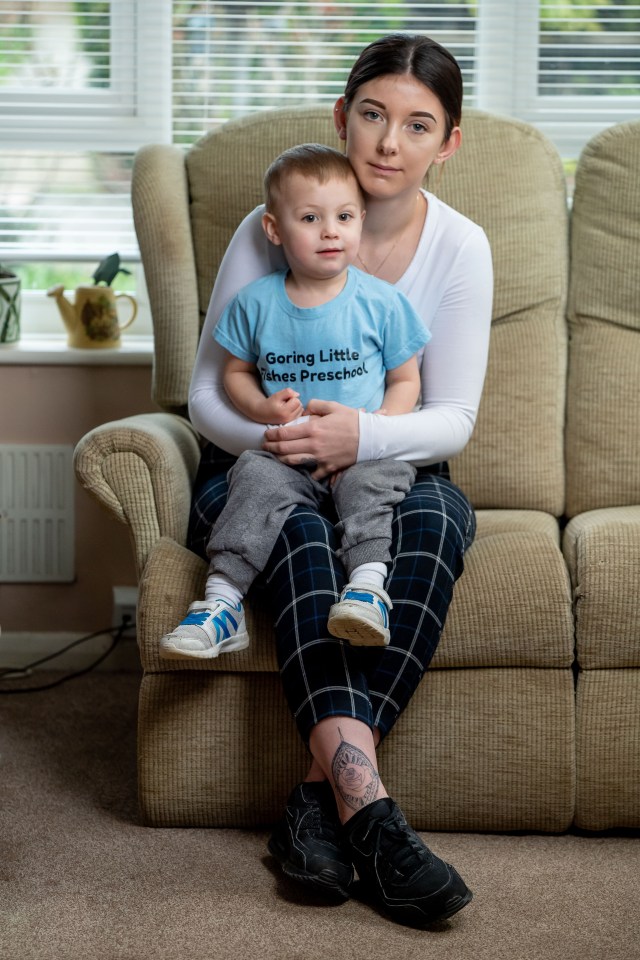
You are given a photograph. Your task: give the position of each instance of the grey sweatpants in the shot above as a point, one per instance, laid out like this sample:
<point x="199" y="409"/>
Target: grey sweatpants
<point x="263" y="492"/>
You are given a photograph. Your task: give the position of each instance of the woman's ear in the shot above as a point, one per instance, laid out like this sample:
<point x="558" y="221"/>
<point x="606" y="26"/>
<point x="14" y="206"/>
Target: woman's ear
<point x="340" y="118"/>
<point x="270" y="227"/>
<point x="450" y="146"/>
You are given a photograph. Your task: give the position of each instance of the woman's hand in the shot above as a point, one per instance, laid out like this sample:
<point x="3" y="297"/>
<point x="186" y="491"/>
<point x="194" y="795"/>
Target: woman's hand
<point x="329" y="438"/>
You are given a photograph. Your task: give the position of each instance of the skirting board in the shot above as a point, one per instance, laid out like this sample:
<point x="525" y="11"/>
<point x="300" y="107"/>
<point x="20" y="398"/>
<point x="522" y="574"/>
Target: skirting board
<point x="18" y="649"/>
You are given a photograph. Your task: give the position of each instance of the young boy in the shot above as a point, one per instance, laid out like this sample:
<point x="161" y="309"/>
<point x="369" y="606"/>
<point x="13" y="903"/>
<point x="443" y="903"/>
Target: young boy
<point x="321" y="329"/>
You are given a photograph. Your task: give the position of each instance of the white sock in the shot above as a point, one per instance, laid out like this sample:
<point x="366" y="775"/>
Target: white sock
<point x="220" y="588"/>
<point x="371" y="574"/>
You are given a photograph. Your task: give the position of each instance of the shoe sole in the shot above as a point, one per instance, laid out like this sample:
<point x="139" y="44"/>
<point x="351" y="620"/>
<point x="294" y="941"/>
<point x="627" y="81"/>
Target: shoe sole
<point x="457" y="904"/>
<point x="170" y="652"/>
<point x="415" y="917"/>
<point x="359" y="632"/>
<point x="325" y="882"/>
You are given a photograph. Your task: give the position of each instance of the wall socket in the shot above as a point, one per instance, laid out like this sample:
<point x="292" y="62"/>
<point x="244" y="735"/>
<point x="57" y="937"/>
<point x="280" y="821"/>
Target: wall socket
<point x="125" y="601"/>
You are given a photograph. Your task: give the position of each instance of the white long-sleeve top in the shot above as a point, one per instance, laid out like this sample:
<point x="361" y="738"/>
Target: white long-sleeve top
<point x="449" y="282"/>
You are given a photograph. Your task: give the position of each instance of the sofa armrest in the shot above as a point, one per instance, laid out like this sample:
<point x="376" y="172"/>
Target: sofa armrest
<point x="161" y="205"/>
<point x="142" y="470"/>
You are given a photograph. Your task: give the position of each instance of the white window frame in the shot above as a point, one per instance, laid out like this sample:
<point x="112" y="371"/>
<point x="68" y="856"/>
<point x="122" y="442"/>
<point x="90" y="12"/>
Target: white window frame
<point x="135" y="110"/>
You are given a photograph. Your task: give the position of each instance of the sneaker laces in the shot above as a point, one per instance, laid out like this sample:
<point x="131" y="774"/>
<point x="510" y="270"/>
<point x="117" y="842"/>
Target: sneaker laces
<point x="316" y="821"/>
<point x="401" y="847"/>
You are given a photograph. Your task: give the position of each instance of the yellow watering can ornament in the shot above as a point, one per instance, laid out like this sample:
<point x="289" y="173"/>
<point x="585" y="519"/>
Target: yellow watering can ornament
<point x="92" y="319"/>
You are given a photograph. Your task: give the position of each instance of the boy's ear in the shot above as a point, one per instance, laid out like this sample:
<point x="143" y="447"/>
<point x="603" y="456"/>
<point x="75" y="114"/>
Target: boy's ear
<point x="270" y="227"/>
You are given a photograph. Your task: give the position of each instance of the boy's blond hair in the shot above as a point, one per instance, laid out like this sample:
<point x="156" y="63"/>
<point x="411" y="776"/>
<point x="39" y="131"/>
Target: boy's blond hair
<point x="311" y="160"/>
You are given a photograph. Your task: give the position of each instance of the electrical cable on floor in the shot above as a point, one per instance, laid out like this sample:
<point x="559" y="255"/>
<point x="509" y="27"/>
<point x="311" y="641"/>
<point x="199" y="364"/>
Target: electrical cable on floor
<point x="6" y="673"/>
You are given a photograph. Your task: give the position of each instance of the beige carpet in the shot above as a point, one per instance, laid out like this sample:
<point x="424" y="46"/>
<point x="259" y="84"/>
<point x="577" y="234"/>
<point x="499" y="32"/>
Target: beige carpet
<point x="81" y="879"/>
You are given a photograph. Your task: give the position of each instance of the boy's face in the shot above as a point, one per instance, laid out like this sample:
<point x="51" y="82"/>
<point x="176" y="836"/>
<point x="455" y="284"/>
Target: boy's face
<point x="318" y="224"/>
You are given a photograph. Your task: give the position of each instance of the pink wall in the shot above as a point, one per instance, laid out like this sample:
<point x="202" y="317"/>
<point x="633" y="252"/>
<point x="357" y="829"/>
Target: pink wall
<point x="59" y="404"/>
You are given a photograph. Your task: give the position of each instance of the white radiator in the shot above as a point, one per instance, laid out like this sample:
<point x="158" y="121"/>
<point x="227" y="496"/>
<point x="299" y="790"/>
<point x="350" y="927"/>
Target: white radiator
<point x="36" y="513"/>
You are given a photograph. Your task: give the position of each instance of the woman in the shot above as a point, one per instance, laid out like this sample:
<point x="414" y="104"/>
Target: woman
<point x="399" y="116"/>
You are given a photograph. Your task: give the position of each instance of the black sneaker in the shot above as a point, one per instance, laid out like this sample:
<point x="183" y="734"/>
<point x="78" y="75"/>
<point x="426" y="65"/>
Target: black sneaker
<point x="413" y="885"/>
<point x="309" y="845"/>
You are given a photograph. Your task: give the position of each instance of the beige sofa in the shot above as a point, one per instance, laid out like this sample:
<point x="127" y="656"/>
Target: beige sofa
<point x="494" y="738"/>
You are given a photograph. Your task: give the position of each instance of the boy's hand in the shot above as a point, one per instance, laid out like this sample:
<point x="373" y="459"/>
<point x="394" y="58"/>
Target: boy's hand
<point x="283" y="406"/>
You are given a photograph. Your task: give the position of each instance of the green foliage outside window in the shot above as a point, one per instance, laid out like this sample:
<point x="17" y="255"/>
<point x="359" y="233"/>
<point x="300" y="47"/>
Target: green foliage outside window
<point x="92" y="23"/>
<point x="94" y="20"/>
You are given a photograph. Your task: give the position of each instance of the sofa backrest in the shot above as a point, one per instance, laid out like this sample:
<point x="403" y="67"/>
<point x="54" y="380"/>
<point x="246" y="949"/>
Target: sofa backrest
<point x="603" y="408"/>
<point x="509" y="178"/>
<point x="506" y="177"/>
<point x="233" y="160"/>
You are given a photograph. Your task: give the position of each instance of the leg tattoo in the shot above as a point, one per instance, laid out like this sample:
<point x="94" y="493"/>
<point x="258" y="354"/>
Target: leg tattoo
<point x="354" y="775"/>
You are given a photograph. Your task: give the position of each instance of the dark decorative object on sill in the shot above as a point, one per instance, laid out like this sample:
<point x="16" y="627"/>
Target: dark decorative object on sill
<point x="92" y="320"/>
<point x="9" y="306"/>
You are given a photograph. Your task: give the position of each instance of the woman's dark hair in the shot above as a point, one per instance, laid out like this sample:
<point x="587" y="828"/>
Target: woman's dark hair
<point x="419" y="56"/>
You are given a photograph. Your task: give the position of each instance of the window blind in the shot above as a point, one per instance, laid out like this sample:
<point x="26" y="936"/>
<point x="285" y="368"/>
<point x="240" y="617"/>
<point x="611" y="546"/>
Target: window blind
<point x="588" y="70"/>
<point x="83" y="83"/>
<point x="569" y="67"/>
<point x="65" y="206"/>
<point x="82" y="86"/>
<point x="235" y="58"/>
<point x="588" y="50"/>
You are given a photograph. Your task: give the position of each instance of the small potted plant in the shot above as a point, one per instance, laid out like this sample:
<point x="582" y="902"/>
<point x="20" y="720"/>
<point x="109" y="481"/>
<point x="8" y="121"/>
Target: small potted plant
<point x="9" y="305"/>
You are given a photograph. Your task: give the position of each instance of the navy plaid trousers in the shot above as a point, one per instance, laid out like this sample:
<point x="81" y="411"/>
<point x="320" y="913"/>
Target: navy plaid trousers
<point x="321" y="675"/>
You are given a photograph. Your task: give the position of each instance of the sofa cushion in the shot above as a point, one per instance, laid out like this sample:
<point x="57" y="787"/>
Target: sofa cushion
<point x="515" y="457"/>
<point x="508" y="178"/>
<point x="602" y="550"/>
<point x="603" y="427"/>
<point x="512" y="606"/>
<point x="475" y="750"/>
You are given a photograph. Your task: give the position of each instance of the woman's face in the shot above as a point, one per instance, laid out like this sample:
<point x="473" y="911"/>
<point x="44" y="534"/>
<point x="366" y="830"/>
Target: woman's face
<point x="394" y="131"/>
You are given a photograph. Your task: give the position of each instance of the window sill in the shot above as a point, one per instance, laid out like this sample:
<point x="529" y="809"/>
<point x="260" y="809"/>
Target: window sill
<point x="36" y="349"/>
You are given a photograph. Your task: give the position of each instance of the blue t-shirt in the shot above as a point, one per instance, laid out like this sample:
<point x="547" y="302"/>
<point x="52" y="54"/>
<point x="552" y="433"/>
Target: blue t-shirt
<point x="337" y="351"/>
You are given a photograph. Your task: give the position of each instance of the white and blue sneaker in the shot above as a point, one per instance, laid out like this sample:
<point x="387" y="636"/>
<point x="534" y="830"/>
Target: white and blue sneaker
<point x="361" y="616"/>
<point x="207" y="630"/>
